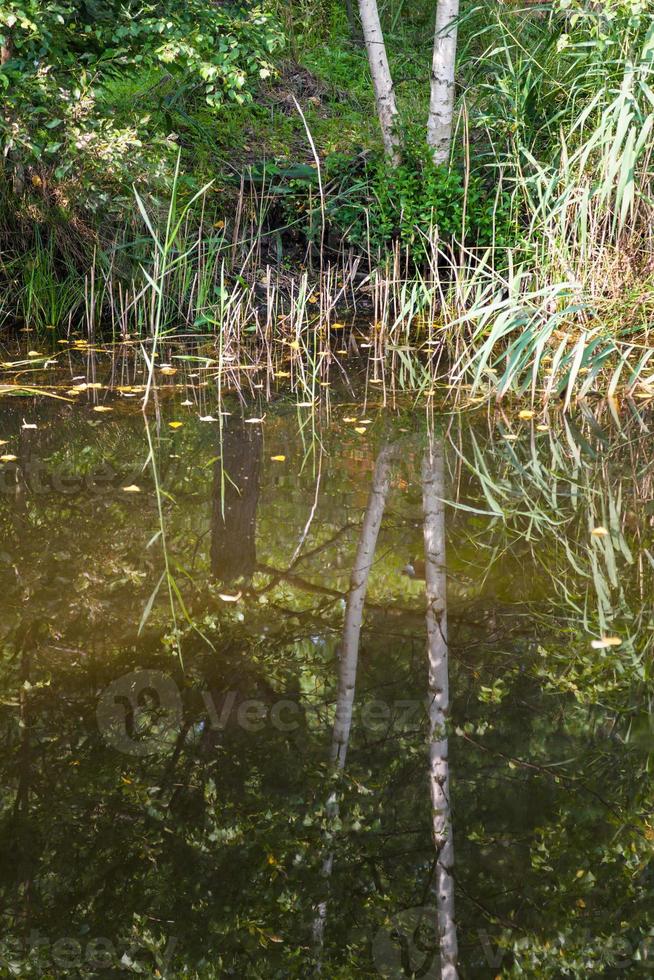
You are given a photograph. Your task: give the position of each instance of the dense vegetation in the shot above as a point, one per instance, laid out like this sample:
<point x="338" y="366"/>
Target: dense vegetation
<point x="538" y="225"/>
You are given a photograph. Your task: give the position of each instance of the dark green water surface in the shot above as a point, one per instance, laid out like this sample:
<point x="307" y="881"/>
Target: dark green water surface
<point x="169" y="669"/>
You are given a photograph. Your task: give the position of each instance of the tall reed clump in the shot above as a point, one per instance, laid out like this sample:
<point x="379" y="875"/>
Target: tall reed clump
<point x="564" y="112"/>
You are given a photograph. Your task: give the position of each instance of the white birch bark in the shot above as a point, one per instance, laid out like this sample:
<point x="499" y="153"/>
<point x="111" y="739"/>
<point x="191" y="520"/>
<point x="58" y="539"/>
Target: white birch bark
<point x="433" y="484"/>
<point x="381" y="78"/>
<point x="349" y="660"/>
<point x="441" y="102"/>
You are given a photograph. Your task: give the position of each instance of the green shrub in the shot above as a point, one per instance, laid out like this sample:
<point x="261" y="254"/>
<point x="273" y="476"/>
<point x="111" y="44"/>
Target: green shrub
<point x="62" y="58"/>
<point x="371" y="205"/>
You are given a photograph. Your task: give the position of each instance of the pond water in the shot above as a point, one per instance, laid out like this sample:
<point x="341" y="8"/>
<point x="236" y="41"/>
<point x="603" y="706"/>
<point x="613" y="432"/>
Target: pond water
<point x="177" y="800"/>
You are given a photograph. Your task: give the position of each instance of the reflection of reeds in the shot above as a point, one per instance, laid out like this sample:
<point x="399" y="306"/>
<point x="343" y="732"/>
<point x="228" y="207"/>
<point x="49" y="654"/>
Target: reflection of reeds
<point x="572" y="497"/>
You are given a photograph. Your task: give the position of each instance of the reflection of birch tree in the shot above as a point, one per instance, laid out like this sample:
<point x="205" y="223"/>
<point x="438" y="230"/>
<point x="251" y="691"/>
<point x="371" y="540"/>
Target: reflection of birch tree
<point x="437" y="654"/>
<point x="350" y="646"/>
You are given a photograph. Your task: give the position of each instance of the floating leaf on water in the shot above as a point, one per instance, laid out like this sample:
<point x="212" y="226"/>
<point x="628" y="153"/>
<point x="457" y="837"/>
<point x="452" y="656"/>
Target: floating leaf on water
<point x="605" y="642"/>
<point x="361" y="429"/>
<point x="175" y="425"/>
<point x="278" y="459"/>
<point x="599" y="532"/>
<point x="229" y="598"/>
<point x="376" y="381"/>
<point x="8" y="458"/>
<point x="207" y="418"/>
<point x="34" y="353"/>
<point x="256" y="421"/>
<point x="526" y="413"/>
<point x="168" y="369"/>
<point x="542" y="427"/>
<point x="102" y="408"/>
<point x="365" y="421"/>
<point x="132" y="488"/>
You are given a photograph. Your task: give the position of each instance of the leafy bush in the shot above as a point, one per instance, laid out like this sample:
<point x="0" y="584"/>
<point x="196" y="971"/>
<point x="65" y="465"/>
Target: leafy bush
<point x="57" y="56"/>
<point x="371" y="205"/>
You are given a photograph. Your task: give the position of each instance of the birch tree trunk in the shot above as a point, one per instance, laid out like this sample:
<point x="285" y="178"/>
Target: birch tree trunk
<point x="441" y="102"/>
<point x="349" y="660"/>
<point x="433" y="484"/>
<point x="381" y="78"/>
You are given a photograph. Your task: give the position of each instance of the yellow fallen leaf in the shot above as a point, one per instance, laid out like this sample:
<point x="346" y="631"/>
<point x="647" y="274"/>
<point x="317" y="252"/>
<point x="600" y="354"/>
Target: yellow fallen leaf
<point x="361" y="429"/>
<point x="168" y="370"/>
<point x="605" y="642"/>
<point x="282" y="374"/>
<point x="229" y="598"/>
<point x="175" y="425"/>
<point x="3" y="442"/>
<point x="526" y="413"/>
<point x="365" y="421"/>
<point x="294" y="345"/>
<point x="278" y="459"/>
<point x="132" y="489"/>
<point x="34" y="353"/>
<point x="219" y="224"/>
<point x="376" y="381"/>
<point x="8" y="458"/>
<point x="313" y="299"/>
<point x="94" y="384"/>
<point x="599" y="532"/>
<point x="305" y="404"/>
<point x="342" y="350"/>
<point x="542" y="427"/>
<point x="73" y="391"/>
<point x="338" y="326"/>
<point x="102" y="408"/>
<point x="349" y="418"/>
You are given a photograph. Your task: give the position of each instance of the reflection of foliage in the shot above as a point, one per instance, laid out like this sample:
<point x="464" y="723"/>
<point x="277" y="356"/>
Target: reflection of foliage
<point x="219" y="842"/>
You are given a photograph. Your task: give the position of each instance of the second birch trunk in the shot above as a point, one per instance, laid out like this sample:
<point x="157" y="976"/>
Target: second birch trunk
<point x="441" y="102"/>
